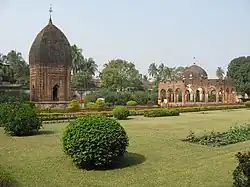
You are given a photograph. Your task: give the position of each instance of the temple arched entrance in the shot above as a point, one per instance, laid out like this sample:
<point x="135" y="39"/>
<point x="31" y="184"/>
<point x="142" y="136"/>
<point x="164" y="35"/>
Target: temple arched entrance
<point x="55" y="93"/>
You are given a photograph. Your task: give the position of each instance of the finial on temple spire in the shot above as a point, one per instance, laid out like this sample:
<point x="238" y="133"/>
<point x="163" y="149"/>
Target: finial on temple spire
<point x="50" y="12"/>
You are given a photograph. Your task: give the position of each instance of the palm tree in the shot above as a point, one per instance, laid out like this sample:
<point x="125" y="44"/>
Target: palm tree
<point x="89" y="65"/>
<point x="220" y="73"/>
<point x="77" y="58"/>
<point x="152" y="70"/>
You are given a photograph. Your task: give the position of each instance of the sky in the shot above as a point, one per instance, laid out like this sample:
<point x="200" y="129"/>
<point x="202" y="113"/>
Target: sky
<point x="141" y="31"/>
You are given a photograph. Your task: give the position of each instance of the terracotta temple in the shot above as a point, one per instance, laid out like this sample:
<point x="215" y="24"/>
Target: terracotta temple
<point x="50" y="62"/>
<point x="196" y="88"/>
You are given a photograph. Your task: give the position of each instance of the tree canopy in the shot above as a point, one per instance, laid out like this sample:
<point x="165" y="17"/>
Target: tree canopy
<point x="239" y="71"/>
<point x="120" y="75"/>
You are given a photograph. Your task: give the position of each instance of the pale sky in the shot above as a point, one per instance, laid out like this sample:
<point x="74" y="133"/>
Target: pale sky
<point x="141" y="31"/>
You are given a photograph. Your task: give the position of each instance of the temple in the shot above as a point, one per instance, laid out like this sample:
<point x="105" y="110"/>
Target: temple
<point x="50" y="62"/>
<point x="196" y="88"/>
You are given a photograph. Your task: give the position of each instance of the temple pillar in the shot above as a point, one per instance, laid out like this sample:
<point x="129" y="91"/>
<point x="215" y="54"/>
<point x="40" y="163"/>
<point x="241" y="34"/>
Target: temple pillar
<point x="194" y="98"/>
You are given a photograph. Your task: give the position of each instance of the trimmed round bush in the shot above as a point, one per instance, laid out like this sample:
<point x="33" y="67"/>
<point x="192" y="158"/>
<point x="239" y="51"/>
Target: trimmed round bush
<point x="74" y="106"/>
<point x="94" y="141"/>
<point x="247" y="104"/>
<point x="120" y="112"/>
<point x="131" y="103"/>
<point x="92" y="105"/>
<point x="21" y="119"/>
<point x="99" y="103"/>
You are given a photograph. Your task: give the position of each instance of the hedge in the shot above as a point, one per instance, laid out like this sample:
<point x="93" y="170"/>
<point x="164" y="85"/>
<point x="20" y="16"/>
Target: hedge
<point x="68" y="116"/>
<point x="161" y="112"/>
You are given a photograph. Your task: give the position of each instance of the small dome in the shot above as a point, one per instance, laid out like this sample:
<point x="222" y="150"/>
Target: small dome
<point x="50" y="47"/>
<point x="195" y="71"/>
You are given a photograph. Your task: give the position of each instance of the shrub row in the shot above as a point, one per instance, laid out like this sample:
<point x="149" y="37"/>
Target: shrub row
<point x="160" y="112"/>
<point x="67" y="116"/>
<point x="215" y="139"/>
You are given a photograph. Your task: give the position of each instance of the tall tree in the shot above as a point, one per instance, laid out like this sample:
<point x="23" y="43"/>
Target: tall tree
<point x="153" y="70"/>
<point x="77" y="58"/>
<point x="239" y="71"/>
<point x="120" y="75"/>
<point x="220" y="73"/>
<point x="18" y="68"/>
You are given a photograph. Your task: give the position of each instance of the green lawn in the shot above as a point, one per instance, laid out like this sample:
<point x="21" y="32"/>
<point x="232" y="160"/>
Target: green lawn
<point x="157" y="156"/>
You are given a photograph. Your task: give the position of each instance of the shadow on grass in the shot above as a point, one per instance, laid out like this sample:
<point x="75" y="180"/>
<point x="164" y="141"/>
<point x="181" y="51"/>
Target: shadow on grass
<point x="44" y="132"/>
<point x="129" y="160"/>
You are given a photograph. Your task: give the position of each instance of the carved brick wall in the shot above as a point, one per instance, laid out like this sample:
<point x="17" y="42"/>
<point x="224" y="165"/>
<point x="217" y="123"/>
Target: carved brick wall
<point x="44" y="78"/>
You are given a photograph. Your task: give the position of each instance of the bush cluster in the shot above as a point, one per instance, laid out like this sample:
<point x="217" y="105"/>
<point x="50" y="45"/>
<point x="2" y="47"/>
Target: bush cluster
<point x="161" y="112"/>
<point x="241" y="174"/>
<point x="131" y="103"/>
<point x="94" y="141"/>
<point x="247" y="104"/>
<point x="234" y="135"/>
<point x="121" y="98"/>
<point x="120" y="112"/>
<point x="19" y="119"/>
<point x="73" y="106"/>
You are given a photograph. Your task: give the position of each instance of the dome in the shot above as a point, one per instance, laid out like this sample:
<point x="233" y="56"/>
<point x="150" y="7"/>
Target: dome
<point x="50" y="47"/>
<point x="195" y="71"/>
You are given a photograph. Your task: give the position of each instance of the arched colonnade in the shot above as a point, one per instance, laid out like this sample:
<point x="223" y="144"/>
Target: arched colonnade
<point x="198" y="95"/>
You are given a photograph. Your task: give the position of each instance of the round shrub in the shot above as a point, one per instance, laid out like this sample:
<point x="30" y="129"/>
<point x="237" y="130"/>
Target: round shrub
<point x="120" y="112"/>
<point x="91" y="105"/>
<point x="94" y="141"/>
<point x="247" y="104"/>
<point x="131" y="103"/>
<point x="74" y="106"/>
<point x="99" y="103"/>
<point x="20" y="119"/>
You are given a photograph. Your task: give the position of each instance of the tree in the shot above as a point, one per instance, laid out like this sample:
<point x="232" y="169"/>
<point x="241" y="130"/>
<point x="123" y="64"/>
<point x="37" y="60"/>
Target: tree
<point x="82" y="80"/>
<point x="239" y="71"/>
<point x="220" y="73"/>
<point x="77" y="58"/>
<point x="17" y="69"/>
<point x="119" y="75"/>
<point x="153" y="70"/>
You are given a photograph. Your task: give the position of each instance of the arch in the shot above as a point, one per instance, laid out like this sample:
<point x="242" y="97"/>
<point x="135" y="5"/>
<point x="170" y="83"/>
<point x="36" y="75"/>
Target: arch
<point x="200" y="95"/>
<point x="55" y="93"/>
<point x="220" y="93"/>
<point x="178" y="94"/>
<point x="187" y="95"/>
<point x="212" y="95"/>
<point x="33" y="93"/>
<point x="227" y="95"/>
<point x="163" y="95"/>
<point x="170" y="95"/>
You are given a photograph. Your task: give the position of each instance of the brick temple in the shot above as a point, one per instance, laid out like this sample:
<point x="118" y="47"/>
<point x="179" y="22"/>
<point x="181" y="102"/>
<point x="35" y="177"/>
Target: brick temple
<point x="50" y="62"/>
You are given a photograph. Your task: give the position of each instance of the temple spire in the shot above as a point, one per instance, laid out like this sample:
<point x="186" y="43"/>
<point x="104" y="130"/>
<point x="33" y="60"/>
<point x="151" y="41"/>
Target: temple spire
<point x="50" y="12"/>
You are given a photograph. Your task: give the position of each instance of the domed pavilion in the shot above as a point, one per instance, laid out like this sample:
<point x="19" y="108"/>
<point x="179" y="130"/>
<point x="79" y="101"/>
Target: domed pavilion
<point x="50" y="63"/>
<point x="196" y="88"/>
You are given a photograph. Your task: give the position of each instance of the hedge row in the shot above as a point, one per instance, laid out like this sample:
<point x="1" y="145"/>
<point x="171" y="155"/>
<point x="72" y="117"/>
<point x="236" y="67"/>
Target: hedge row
<point x="157" y="112"/>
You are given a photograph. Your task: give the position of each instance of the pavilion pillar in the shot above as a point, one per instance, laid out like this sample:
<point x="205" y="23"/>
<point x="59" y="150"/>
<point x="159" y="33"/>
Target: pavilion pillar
<point x="217" y="97"/>
<point x="206" y="97"/>
<point x="194" y="98"/>
<point x="184" y="98"/>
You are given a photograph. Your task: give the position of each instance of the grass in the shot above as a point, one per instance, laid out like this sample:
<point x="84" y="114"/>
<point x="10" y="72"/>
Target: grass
<point x="157" y="156"/>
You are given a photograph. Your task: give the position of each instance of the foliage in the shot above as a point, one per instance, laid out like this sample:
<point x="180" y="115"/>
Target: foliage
<point x="121" y="98"/>
<point x="239" y="70"/>
<point x="6" y="180"/>
<point x="120" y="75"/>
<point x="220" y="73"/>
<point x="20" y="119"/>
<point x="99" y="103"/>
<point x="13" y="97"/>
<point x="233" y="135"/>
<point x="92" y="105"/>
<point x="120" y="112"/>
<point x="73" y="105"/>
<point x="241" y="174"/>
<point x="131" y="103"/>
<point x="83" y="80"/>
<point x="94" y="141"/>
<point x="247" y="104"/>
<point x="160" y="112"/>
